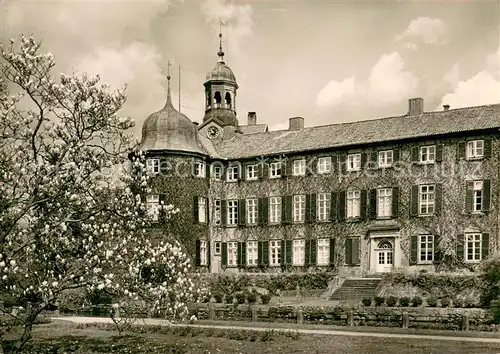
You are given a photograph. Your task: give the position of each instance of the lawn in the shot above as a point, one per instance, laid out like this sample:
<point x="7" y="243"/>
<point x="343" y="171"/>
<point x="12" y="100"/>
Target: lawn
<point x="69" y="338"/>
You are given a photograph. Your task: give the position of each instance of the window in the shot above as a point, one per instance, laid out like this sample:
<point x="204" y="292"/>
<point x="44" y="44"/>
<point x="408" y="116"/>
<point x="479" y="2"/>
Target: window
<point x="475" y="149"/>
<point x="217" y="211"/>
<point x="275" y="253"/>
<point x="251" y="205"/>
<point x="353" y="162"/>
<point x="477" y="197"/>
<point x="325" y="164"/>
<point x="153" y="205"/>
<point x="252" y="172"/>
<point x="473" y="247"/>
<point x="232" y="248"/>
<point x="384" y="203"/>
<point x="299" y="208"/>
<point x="428" y="154"/>
<point x="232" y="173"/>
<point x="232" y="212"/>
<point x="203" y="253"/>
<point x="252" y="253"/>
<point x="299" y="167"/>
<point x="385" y="158"/>
<point x="199" y="169"/>
<point x="323" y="207"/>
<point x="202" y="209"/>
<point x="274" y="209"/>
<point x="275" y="169"/>
<point x="299" y="252"/>
<point x="153" y="165"/>
<point x="427" y="199"/>
<point x="426" y="248"/>
<point x="217" y="247"/>
<point x="323" y="251"/>
<point x="353" y="204"/>
<point x="217" y="173"/>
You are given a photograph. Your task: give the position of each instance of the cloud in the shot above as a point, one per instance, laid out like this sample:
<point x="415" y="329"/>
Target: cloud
<point x="426" y="29"/>
<point x="388" y="82"/>
<point x="452" y="76"/>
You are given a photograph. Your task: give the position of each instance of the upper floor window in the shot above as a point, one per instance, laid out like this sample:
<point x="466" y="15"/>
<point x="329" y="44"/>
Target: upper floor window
<point x="353" y="204"/>
<point x="153" y="165"/>
<point x="252" y="253"/>
<point x="199" y="169"/>
<point x="425" y="248"/>
<point x="298" y="252"/>
<point x="275" y="253"/>
<point x="385" y="158"/>
<point x="217" y="211"/>
<point x="473" y="247"/>
<point x="275" y="169"/>
<point x="299" y="167"/>
<point x="325" y="164"/>
<point x="217" y="172"/>
<point x="251" y="205"/>
<point x="428" y="154"/>
<point x="475" y="149"/>
<point x="323" y="207"/>
<point x="427" y="199"/>
<point x="232" y="248"/>
<point x="323" y="251"/>
<point x="153" y="205"/>
<point x="477" y="197"/>
<point x="274" y="210"/>
<point x="252" y="172"/>
<point x="217" y="245"/>
<point x="384" y="202"/>
<point x="203" y="253"/>
<point x="232" y="173"/>
<point x="202" y="211"/>
<point x="353" y="162"/>
<point x="299" y="208"/>
<point x="232" y="212"/>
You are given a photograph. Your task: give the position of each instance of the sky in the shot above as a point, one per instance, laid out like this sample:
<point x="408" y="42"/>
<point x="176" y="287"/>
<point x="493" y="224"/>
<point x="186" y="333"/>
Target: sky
<point x="326" y="61"/>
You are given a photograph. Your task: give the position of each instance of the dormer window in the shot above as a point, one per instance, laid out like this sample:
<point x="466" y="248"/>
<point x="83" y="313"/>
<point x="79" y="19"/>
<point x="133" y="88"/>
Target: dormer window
<point x="153" y="165"/>
<point x="232" y="173"/>
<point x="354" y="162"/>
<point x="275" y="170"/>
<point x="199" y="169"/>
<point x="428" y="154"/>
<point x="475" y="149"/>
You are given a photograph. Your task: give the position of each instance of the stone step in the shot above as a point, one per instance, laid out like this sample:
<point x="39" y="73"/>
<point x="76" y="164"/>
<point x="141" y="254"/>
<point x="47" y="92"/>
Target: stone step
<point x="356" y="289"/>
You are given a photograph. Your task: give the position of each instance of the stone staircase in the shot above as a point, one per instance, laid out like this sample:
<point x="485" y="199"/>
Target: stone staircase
<point x="356" y="289"/>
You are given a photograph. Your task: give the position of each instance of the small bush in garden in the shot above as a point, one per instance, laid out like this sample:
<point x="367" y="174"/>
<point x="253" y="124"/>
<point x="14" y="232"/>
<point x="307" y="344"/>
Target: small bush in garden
<point x="445" y="302"/>
<point x="416" y="301"/>
<point x="266" y="298"/>
<point x="252" y="298"/>
<point x="404" y="301"/>
<point x="366" y="301"/>
<point x="458" y="302"/>
<point x="391" y="301"/>
<point x="267" y="336"/>
<point x="432" y="301"/>
<point x="379" y="300"/>
<point x="217" y="297"/>
<point x="240" y="298"/>
<point x="229" y="299"/>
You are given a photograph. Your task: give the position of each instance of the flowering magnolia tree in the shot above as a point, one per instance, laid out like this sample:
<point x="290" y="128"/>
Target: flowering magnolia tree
<point x="65" y="222"/>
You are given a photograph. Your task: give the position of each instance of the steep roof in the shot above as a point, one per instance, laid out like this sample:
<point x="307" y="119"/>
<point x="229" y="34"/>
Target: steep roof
<point x="252" y="129"/>
<point x="361" y="132"/>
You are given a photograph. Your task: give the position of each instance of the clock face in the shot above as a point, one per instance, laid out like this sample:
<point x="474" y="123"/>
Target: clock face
<point x="213" y="132"/>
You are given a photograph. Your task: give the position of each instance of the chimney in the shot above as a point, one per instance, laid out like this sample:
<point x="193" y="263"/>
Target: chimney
<point x="446" y="107"/>
<point x="296" y="123"/>
<point x="252" y="118"/>
<point x="415" y="106"/>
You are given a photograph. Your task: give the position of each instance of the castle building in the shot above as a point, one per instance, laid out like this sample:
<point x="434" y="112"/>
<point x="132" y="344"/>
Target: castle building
<point x="410" y="192"/>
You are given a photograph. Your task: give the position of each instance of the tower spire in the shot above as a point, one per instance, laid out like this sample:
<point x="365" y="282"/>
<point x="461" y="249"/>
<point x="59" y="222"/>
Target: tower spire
<point x="220" y="53"/>
<point x="169" y="97"/>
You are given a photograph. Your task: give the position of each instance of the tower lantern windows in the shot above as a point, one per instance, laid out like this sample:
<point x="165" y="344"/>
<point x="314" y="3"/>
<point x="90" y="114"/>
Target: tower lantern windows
<point x="228" y="100"/>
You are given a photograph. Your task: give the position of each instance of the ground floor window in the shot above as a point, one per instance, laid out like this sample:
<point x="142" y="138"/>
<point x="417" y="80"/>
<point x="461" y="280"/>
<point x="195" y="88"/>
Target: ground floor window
<point x="323" y="251"/>
<point x="473" y="247"/>
<point x="298" y="252"/>
<point x="252" y="253"/>
<point x="426" y="248"/>
<point x="275" y="253"/>
<point x="232" y="248"/>
<point x="203" y="253"/>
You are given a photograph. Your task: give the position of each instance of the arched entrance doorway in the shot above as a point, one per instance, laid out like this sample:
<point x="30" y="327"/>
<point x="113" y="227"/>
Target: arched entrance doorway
<point x="384" y="256"/>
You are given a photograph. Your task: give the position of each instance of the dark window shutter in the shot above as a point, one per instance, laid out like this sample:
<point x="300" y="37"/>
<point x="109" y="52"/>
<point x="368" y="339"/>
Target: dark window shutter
<point x="373" y="204"/>
<point x="332" y="251"/>
<point x="207" y="170"/>
<point x="374" y="158"/>
<point x="362" y="202"/>
<point x="485" y="246"/>
<point x="395" y="155"/>
<point x="283" y="252"/>
<point x="335" y="164"/>
<point x="259" y="253"/>
<point x="487" y="195"/>
<point x="333" y="206"/>
<point x="239" y="259"/>
<point x="348" y="251"/>
<point x="223" y="253"/>
<point x="197" y="261"/>
<point x="288" y="249"/>
<point x="307" y="253"/>
<point x="363" y="160"/>
<point x="287" y="208"/>
<point x="414" y="250"/>
<point x="243" y="254"/>
<point x="242" y="217"/>
<point x="223" y="212"/>
<point x="395" y="202"/>
<point x="356" y="250"/>
<point x="343" y="163"/>
<point x="264" y="170"/>
<point x="263" y="211"/>
<point x="439" y="198"/>
<point x="437" y="250"/>
<point x="241" y="173"/>
<point x="487" y="148"/>
<point x="313" y="253"/>
<point x="415" y="154"/>
<point x="414" y="200"/>
<point x="311" y="207"/>
<point x="195" y="209"/>
<point x="209" y="253"/>
<point x="461" y="150"/>
<point x="460" y="247"/>
<point x="311" y="165"/>
<point x="287" y="169"/>
<point x="341" y="207"/>
<point x="207" y="210"/>
<point x="469" y="192"/>
<point x="439" y="153"/>
<point x="265" y="253"/>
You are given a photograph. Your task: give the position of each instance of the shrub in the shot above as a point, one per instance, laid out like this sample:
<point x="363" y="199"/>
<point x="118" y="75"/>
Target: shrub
<point x="366" y="301"/>
<point x="458" y="302"/>
<point x="379" y="300"/>
<point x="252" y="298"/>
<point x="229" y="299"/>
<point x="490" y="291"/>
<point x="416" y="301"/>
<point x="240" y="298"/>
<point x="391" y="301"/>
<point x="432" y="301"/>
<point x="445" y="302"/>
<point x="217" y="297"/>
<point x="404" y="301"/>
<point x="266" y="298"/>
<point x="469" y="303"/>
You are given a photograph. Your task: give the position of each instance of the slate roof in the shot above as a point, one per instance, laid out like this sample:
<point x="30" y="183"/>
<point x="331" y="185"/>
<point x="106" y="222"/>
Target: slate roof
<point x="252" y="129"/>
<point x="360" y="133"/>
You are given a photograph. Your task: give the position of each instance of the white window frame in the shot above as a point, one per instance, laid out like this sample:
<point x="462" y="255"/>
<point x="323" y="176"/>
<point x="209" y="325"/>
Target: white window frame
<point x="232" y="174"/>
<point x="251" y="206"/>
<point x="299" y="167"/>
<point x="232" y="254"/>
<point x="217" y="173"/>
<point x="275" y="253"/>
<point x="252" y="172"/>
<point x="252" y="253"/>
<point x="153" y="165"/>
<point x="323" y="253"/>
<point x="384" y="202"/>
<point x="385" y="158"/>
<point x="324" y="165"/>
<point x="202" y="209"/>
<point x="153" y="205"/>
<point x="353" y="203"/>
<point x="427" y="154"/>
<point x="232" y="212"/>
<point x="354" y="162"/>
<point x="275" y="210"/>
<point x="275" y="169"/>
<point x="477" y="196"/>
<point x="217" y="247"/>
<point x="323" y="206"/>
<point x="298" y="252"/>
<point x="430" y="201"/>
<point x="203" y="253"/>
<point x="476" y="238"/>
<point x="425" y="249"/>
<point x="217" y="211"/>
<point x="299" y="207"/>
<point x="199" y="169"/>
<point x="475" y="149"/>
